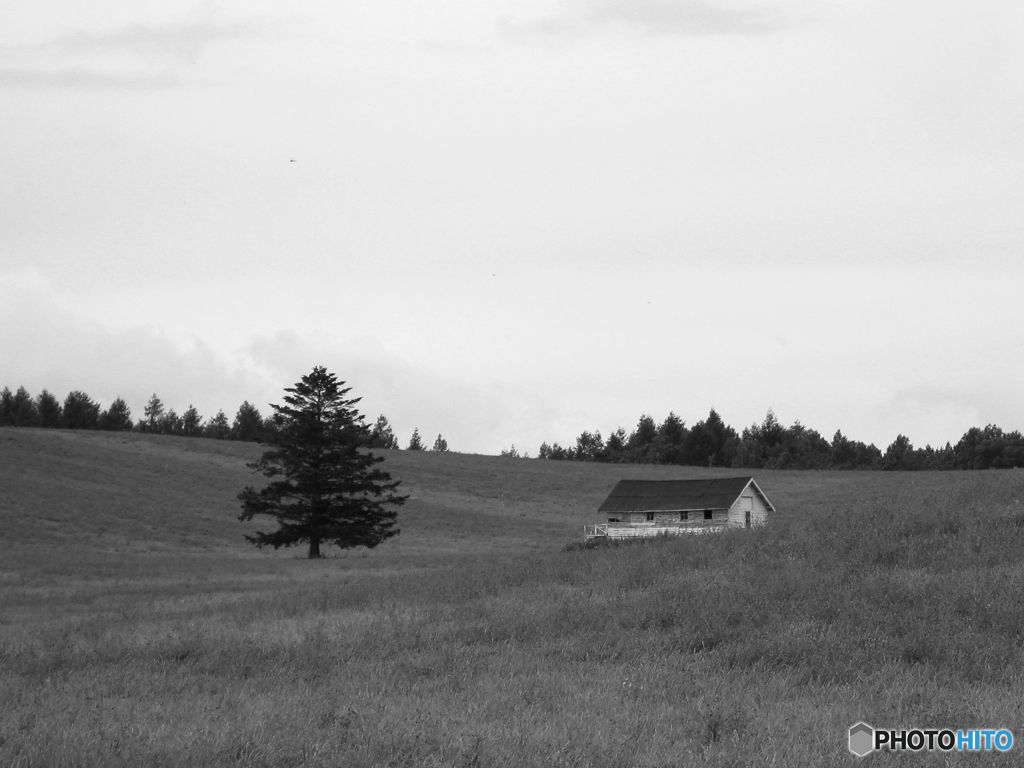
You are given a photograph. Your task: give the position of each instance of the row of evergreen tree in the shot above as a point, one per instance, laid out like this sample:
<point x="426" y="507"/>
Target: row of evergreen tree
<point x="770" y="445"/>
<point x="382" y="436"/>
<point x="79" y="411"/>
<point x="711" y="442"/>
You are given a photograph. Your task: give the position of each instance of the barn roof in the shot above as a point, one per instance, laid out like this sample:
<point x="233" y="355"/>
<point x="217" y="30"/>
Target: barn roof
<point x="678" y="495"/>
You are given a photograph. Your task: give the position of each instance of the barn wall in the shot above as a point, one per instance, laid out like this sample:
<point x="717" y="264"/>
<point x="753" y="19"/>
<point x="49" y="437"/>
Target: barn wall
<point x="759" y="513"/>
<point x="719" y="516"/>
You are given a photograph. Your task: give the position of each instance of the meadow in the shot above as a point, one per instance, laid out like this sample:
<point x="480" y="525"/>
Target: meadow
<point x="137" y="628"/>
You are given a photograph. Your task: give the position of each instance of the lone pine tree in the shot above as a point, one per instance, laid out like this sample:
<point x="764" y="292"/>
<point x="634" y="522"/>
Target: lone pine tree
<point x="382" y="436"/>
<point x="415" y="442"/>
<point x="324" y="485"/>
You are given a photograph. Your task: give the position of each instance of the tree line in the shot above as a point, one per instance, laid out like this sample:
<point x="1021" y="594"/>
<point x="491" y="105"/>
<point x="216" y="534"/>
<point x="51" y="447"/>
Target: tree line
<point x="79" y="411"/>
<point x="770" y="445"/>
<point x="710" y="442"/>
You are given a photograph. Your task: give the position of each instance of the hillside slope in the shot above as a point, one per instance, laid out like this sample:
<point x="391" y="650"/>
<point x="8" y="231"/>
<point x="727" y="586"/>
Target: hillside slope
<point x="93" y="503"/>
<point x="99" y="504"/>
<point x="137" y="628"/>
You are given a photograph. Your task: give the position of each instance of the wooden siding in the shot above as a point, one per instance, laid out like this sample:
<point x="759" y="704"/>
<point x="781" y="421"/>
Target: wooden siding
<point x="633" y="523"/>
<point x="758" y="509"/>
<point x="661" y="519"/>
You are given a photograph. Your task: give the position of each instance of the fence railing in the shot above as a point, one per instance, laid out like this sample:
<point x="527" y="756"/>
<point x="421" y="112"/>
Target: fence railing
<point x="641" y="530"/>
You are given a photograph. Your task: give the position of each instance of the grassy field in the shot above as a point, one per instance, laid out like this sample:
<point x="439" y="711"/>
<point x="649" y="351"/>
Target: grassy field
<point x="138" y="629"/>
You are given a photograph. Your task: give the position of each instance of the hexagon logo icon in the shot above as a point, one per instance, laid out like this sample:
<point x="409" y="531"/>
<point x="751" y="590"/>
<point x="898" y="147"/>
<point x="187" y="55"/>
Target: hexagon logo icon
<point x="862" y="737"/>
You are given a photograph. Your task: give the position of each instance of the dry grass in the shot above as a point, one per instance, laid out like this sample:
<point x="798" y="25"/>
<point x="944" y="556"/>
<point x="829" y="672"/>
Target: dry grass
<point x="137" y="629"/>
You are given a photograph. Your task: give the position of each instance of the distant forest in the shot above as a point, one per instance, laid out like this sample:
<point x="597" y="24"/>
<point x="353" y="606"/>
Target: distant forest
<point x="708" y="443"/>
<point x="79" y="411"/>
<point x="770" y="445"/>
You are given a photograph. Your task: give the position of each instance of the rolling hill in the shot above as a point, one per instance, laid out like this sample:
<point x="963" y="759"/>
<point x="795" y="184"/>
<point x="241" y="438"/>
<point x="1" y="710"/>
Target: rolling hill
<point x="75" y="500"/>
<point x="138" y="628"/>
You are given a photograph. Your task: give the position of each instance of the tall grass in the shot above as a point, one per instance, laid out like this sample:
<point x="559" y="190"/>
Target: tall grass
<point x="744" y="648"/>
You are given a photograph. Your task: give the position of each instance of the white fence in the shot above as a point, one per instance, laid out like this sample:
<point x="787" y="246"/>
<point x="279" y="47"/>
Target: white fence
<point x="612" y="531"/>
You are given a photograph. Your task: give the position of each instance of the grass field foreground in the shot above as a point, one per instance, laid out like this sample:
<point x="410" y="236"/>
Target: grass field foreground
<point x="479" y="638"/>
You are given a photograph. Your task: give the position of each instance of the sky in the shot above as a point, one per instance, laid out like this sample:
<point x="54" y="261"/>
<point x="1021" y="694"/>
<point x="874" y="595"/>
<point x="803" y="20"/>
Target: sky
<point x="510" y="222"/>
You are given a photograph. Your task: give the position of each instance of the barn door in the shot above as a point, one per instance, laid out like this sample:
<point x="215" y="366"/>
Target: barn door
<point x="748" y="507"/>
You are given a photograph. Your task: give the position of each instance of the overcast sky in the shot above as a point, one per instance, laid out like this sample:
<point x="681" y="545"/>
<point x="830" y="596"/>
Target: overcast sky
<point x="508" y="222"/>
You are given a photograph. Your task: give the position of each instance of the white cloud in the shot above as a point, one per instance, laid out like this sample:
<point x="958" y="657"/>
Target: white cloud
<point x="540" y="238"/>
<point x="472" y="418"/>
<point x="155" y="54"/>
<point x="182" y="39"/>
<point x="663" y="17"/>
<point x="941" y="412"/>
<point x="48" y="347"/>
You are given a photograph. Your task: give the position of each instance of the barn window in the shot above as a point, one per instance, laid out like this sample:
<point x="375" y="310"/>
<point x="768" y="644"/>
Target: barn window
<point x="650" y="515"/>
<point x="707" y="514"/>
<point x="683" y="515"/>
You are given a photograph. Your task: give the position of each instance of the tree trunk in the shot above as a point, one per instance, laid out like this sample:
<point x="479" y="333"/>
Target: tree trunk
<point x="314" y="547"/>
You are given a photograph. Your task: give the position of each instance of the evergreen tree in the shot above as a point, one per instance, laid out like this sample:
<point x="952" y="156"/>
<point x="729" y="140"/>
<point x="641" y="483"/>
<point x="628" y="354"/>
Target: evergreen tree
<point x="899" y="455"/>
<point x="440" y="444"/>
<point x="937" y="458"/>
<point x="988" y="448"/>
<point x="218" y="427"/>
<point x="154" y="414"/>
<point x="248" y="423"/>
<point x="171" y="423"/>
<point x="852" y="454"/>
<point x="24" y="412"/>
<point x="80" y="411"/>
<point x="382" y="436"/>
<point x="415" y="443"/>
<point x="117" y="418"/>
<point x="641" y="443"/>
<point x="671" y="437"/>
<point x="710" y="443"/>
<point x="772" y="432"/>
<point x="191" y="422"/>
<point x="806" y="449"/>
<point x="615" y="446"/>
<point x="556" y="452"/>
<point x="843" y="452"/>
<point x="49" y="410"/>
<point x="272" y="423"/>
<point x="589" y="446"/>
<point x="323" y="488"/>
<point x="762" y="445"/>
<point x="6" y="408"/>
<point x="645" y="432"/>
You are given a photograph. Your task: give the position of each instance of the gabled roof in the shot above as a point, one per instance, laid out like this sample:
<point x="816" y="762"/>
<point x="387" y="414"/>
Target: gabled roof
<point x="678" y="495"/>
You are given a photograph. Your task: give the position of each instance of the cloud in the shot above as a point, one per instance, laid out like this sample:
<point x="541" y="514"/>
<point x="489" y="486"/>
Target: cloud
<point x="48" y="346"/>
<point x="137" y="55"/>
<point x="936" y="413"/>
<point x="181" y="39"/>
<point x="661" y="17"/>
<point x="471" y="417"/>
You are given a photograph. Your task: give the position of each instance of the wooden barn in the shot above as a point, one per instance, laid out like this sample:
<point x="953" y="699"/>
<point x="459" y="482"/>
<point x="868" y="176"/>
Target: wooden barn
<point x="637" y="508"/>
